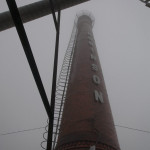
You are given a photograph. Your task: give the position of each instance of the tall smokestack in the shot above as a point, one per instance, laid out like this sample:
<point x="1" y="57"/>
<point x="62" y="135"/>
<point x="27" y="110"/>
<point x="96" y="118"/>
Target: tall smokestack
<point x="87" y="119"/>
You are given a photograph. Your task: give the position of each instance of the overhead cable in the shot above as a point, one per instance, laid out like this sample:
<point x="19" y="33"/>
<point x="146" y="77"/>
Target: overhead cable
<point x="132" y="128"/>
<point x="32" y="129"/>
<point x="20" y="131"/>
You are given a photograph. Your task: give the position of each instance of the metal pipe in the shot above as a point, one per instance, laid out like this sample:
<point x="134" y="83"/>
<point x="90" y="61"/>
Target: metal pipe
<point x="34" y="11"/>
<point x="53" y="92"/>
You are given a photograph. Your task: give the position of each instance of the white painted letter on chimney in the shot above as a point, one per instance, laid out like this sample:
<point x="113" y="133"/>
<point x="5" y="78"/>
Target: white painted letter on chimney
<point x="98" y="96"/>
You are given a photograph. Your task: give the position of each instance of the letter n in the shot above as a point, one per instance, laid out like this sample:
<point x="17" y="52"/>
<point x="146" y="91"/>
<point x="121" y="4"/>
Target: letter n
<point x="98" y="96"/>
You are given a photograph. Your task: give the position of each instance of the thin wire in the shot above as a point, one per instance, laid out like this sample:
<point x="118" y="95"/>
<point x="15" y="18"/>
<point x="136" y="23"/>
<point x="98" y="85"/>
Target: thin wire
<point x="20" y="131"/>
<point x="132" y="129"/>
<point x="27" y="130"/>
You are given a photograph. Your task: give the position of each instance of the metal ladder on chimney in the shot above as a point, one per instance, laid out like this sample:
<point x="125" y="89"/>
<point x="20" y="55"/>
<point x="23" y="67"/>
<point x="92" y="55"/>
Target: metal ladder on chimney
<point x="62" y="85"/>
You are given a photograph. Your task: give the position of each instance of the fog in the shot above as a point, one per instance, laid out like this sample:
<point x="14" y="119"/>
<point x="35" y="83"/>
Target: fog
<point x="122" y="36"/>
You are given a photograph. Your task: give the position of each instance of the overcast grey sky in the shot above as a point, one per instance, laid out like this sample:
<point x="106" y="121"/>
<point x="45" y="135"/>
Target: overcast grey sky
<point x="122" y="37"/>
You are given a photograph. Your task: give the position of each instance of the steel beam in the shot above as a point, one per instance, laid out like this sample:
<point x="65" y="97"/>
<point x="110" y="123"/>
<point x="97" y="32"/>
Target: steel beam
<point x="35" y="10"/>
<point x="28" y="52"/>
<point x="53" y="92"/>
<point x="147" y="2"/>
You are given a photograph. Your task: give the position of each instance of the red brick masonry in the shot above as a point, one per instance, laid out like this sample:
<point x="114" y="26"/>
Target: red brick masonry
<point x="87" y="119"/>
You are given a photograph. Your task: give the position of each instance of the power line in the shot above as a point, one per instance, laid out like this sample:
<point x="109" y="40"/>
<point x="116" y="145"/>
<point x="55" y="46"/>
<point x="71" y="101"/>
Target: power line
<point x="132" y="129"/>
<point x="20" y="131"/>
<point x="27" y="130"/>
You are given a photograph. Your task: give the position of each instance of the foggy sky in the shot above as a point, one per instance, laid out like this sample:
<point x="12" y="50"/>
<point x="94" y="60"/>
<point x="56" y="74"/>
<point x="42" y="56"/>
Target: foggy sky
<point x="122" y="36"/>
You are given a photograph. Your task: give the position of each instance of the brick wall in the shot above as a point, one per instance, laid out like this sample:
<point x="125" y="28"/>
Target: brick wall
<point x="87" y="118"/>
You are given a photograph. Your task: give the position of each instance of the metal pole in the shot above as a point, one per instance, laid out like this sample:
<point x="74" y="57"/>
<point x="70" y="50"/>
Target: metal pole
<point x="50" y="130"/>
<point x="34" y="11"/>
<point x="28" y="52"/>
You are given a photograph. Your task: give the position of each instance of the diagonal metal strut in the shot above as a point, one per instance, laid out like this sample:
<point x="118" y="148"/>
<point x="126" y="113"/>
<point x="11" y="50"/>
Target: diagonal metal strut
<point x="28" y="52"/>
<point x="35" y="10"/>
<point x="53" y="92"/>
<point x="27" y="49"/>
